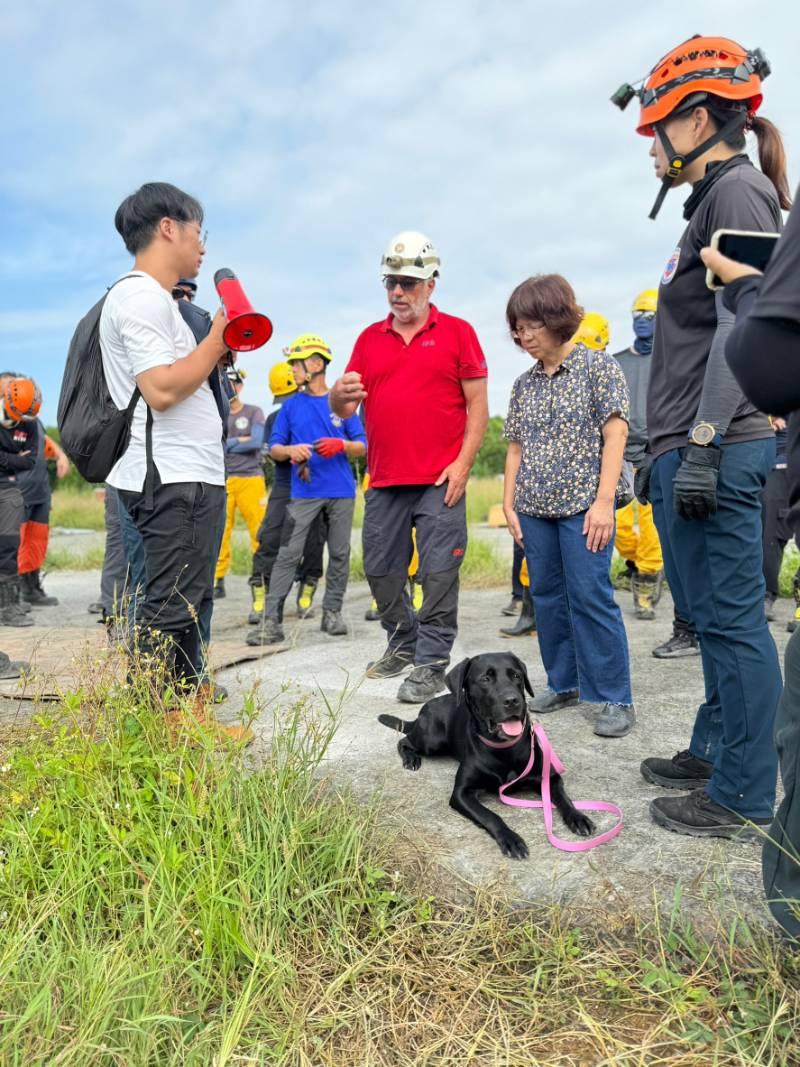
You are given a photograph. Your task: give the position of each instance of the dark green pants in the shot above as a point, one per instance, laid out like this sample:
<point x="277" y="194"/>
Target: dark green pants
<point x="781" y="859"/>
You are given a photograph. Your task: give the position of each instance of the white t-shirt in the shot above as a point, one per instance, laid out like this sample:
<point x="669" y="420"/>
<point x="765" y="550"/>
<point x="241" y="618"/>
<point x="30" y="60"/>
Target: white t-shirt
<point x="140" y="328"/>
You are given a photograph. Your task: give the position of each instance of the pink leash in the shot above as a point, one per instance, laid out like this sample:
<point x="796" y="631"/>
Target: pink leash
<point x="551" y="759"/>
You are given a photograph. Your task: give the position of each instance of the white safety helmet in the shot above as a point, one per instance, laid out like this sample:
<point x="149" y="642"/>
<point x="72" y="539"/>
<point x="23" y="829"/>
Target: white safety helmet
<point x="411" y="255"/>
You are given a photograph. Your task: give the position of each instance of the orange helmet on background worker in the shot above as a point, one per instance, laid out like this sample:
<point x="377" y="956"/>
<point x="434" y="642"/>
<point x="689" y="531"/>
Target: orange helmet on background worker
<point x="22" y="400"/>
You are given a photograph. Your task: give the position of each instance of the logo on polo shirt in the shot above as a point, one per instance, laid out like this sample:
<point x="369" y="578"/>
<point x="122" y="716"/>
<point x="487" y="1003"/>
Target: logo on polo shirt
<point x="671" y="267"/>
<point x="337" y="422"/>
<point x="242" y="422"/>
<point x="427" y="344"/>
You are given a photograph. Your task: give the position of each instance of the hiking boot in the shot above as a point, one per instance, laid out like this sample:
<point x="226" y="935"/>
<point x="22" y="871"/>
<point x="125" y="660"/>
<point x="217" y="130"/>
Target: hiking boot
<point x="12" y="668"/>
<point x="219" y="589"/>
<point x="213" y="693"/>
<point x="259" y="595"/>
<point x="646" y="590"/>
<point x="333" y="623"/>
<point x="699" y="816"/>
<point x="683" y="771"/>
<point x="769" y="606"/>
<point x="615" y="720"/>
<point x="372" y="614"/>
<point x="417" y="595"/>
<point x="270" y="632"/>
<point x="95" y="608"/>
<point x="422" y="684"/>
<point x="389" y="665"/>
<point x="624" y="579"/>
<point x="526" y="623"/>
<point x="549" y="701"/>
<point x="11" y="611"/>
<point x="305" y="596"/>
<point x="31" y="590"/>
<point x="512" y="607"/>
<point x="682" y="643"/>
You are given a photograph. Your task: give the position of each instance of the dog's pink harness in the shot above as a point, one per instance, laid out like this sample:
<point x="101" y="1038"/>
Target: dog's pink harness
<point x="550" y="759"/>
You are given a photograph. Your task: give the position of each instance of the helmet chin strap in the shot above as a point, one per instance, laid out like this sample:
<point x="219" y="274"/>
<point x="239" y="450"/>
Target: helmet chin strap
<point x="311" y="374"/>
<point x="677" y="164"/>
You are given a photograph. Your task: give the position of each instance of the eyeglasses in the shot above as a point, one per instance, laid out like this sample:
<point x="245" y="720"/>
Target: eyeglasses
<point x="181" y="294"/>
<point x="521" y="329"/>
<point x="643" y="315"/>
<point x="406" y="284"/>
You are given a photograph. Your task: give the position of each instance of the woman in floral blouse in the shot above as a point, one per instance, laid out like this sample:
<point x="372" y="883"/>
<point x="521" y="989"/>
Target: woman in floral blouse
<point x="566" y="429"/>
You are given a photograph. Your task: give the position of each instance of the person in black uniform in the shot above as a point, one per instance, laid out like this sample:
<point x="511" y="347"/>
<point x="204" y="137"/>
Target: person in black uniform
<point x="710" y="449"/>
<point x="19" y="443"/>
<point x="777" y="530"/>
<point x="763" y="351"/>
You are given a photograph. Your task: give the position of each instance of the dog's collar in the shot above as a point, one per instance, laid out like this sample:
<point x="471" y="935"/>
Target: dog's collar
<point x="502" y="744"/>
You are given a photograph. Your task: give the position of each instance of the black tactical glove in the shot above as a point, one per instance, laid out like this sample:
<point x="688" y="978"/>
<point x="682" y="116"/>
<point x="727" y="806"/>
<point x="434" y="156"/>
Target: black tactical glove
<point x="694" y="487"/>
<point x="641" y="480"/>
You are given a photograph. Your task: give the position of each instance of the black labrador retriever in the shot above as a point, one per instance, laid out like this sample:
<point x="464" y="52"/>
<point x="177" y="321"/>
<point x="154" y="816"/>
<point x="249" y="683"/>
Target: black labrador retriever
<point x="483" y="723"/>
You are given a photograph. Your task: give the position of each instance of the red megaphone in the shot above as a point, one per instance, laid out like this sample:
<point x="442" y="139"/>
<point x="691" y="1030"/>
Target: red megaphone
<point x="246" y="329"/>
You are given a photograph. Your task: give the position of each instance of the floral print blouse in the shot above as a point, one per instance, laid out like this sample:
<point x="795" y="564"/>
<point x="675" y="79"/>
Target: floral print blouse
<point x="558" y="422"/>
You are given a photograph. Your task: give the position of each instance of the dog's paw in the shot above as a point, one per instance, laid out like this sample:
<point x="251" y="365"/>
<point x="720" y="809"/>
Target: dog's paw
<point x="512" y="845"/>
<point x="580" y="824"/>
<point x="412" y="761"/>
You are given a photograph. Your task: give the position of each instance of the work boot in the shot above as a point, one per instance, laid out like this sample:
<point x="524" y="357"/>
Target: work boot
<point x="333" y="623"/>
<point x="269" y="632"/>
<point x="219" y="589"/>
<point x="526" y="623"/>
<point x="699" y="816"/>
<point x="415" y="591"/>
<point x="12" y="668"/>
<point x="305" y="596"/>
<point x="615" y="720"/>
<point x="512" y="607"/>
<point x="11" y="611"/>
<point x="549" y="701"/>
<point x="769" y="606"/>
<point x="624" y="579"/>
<point x="372" y="614"/>
<point x="389" y="665"/>
<point x="422" y="684"/>
<point x="197" y="720"/>
<point x="646" y="590"/>
<point x="683" y="771"/>
<point x="794" y="622"/>
<point x="682" y="643"/>
<point x="259" y="595"/>
<point x="31" y="589"/>
<point x="95" y="608"/>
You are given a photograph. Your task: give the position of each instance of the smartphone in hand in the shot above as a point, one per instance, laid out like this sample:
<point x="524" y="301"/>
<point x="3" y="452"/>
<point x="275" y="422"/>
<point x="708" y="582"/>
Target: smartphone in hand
<point x="745" y="246"/>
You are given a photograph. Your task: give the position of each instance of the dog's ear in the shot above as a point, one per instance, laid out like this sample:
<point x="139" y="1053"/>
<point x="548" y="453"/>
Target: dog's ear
<point x="455" y="677"/>
<point x="524" y="670"/>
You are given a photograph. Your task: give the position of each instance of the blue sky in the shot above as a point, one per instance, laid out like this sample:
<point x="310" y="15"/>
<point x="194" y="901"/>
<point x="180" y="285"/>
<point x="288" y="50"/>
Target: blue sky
<point x="313" y="132"/>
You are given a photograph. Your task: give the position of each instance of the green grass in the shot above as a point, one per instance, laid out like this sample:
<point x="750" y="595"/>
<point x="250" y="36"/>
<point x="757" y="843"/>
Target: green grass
<point x="165" y="905"/>
<point x="77" y="510"/>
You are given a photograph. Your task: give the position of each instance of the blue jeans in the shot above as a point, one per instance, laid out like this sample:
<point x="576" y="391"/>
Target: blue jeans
<point x="582" y="637"/>
<point x="714" y="566"/>
<point x="134" y="554"/>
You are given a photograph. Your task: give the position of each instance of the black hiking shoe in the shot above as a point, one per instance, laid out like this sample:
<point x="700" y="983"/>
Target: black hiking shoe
<point x="422" y="684"/>
<point x="682" y="643"/>
<point x="270" y="632"/>
<point x="219" y="589"/>
<point x="333" y="623"/>
<point x="549" y="701"/>
<point x="512" y="607"/>
<point x="683" y="771"/>
<point x="697" y="815"/>
<point x="389" y="665"/>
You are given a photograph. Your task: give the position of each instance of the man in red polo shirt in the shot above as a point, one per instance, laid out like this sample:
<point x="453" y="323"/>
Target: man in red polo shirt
<point x="421" y="376"/>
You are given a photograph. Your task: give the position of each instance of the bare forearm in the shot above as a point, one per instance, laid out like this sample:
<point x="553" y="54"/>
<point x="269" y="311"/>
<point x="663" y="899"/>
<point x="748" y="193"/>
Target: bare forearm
<point x="164" y="387"/>
<point x="354" y="449"/>
<point x="615" y="434"/>
<point x="477" y="421"/>
<point x="513" y="460"/>
<point x="280" y="453"/>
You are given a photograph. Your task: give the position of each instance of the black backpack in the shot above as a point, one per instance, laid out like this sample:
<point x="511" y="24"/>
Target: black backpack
<point x="94" y="432"/>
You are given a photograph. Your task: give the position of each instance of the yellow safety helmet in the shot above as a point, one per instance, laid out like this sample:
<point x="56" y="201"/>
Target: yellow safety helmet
<point x="593" y="331"/>
<point x="281" y="380"/>
<point x="307" y="344"/>
<point x="647" y="300"/>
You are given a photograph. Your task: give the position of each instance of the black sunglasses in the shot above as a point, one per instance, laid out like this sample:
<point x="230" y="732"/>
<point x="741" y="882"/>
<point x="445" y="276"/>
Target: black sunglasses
<point x="178" y="294"/>
<point x="406" y="284"/>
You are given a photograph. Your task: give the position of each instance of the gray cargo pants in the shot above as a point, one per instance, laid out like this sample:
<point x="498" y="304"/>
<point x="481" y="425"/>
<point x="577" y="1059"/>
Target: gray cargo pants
<point x="300" y="515"/>
<point x="441" y="532"/>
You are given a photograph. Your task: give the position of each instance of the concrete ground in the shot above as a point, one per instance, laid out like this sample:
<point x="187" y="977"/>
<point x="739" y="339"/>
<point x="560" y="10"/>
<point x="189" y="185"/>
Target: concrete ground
<point x="641" y="865"/>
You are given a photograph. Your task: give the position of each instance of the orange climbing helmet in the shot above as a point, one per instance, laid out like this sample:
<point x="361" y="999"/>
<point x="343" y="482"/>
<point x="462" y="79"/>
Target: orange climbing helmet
<point x="685" y="78"/>
<point x="22" y="400"/>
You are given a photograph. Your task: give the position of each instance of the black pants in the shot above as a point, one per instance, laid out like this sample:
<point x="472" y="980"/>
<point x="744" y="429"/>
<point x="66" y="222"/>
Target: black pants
<point x="180" y="536"/>
<point x="517" y="589"/>
<point x="12" y="515"/>
<point x="274" y="532"/>
<point x="775" y="525"/>
<point x="389" y="518"/>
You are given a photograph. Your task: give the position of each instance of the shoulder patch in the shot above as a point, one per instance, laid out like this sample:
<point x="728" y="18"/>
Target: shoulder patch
<point x="671" y="267"/>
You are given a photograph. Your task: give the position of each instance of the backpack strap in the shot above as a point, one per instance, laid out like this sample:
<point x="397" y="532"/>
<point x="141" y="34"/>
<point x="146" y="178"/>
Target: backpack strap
<point x="150" y="471"/>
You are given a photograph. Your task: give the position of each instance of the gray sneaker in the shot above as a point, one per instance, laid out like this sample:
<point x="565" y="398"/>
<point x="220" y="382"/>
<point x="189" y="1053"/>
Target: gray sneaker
<point x="615" y="720"/>
<point x="270" y="632"/>
<point x="333" y="623"/>
<point x="422" y="684"/>
<point x="549" y="701"/>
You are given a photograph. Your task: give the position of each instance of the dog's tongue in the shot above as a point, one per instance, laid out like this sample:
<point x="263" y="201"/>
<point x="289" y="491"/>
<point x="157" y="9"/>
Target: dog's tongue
<point x="511" y="728"/>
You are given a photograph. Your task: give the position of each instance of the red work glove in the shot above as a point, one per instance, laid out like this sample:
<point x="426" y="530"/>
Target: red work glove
<point x="329" y="446"/>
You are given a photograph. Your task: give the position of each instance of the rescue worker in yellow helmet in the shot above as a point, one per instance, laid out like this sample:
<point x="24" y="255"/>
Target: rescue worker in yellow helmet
<point x="283" y="384"/>
<point x="244" y="478"/>
<point x="593" y="331"/>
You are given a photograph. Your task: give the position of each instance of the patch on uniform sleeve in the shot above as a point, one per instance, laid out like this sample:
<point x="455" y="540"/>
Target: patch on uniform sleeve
<point x="671" y="267"/>
<point x="336" y="420"/>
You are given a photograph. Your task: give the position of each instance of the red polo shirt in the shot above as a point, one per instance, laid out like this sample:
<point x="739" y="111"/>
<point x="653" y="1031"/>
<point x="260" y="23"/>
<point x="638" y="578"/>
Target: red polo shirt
<point x="415" y="409"/>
